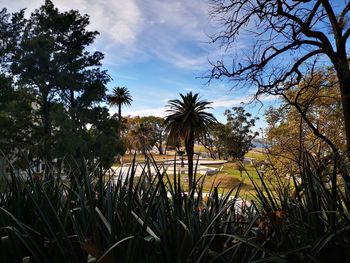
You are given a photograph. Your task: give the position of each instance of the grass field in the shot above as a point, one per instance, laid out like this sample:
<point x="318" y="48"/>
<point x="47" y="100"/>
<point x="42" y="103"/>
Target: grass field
<point x="259" y="156"/>
<point x="229" y="176"/>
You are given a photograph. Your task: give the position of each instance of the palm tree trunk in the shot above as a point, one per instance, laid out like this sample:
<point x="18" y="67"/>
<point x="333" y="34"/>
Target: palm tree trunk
<point x="119" y="157"/>
<point x="190" y="153"/>
<point x="47" y="131"/>
<point x="120" y="118"/>
<point x="160" y="148"/>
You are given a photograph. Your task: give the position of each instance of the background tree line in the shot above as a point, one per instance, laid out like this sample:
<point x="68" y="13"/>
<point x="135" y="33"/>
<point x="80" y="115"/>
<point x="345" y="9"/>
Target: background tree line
<point x="230" y="140"/>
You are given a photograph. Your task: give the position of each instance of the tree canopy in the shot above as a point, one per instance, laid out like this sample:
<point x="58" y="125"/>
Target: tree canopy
<point x="120" y="96"/>
<point x="233" y="139"/>
<point x="288" y="133"/>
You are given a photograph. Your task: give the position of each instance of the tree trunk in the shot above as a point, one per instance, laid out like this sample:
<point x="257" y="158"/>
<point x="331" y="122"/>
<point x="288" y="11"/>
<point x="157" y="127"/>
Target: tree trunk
<point x="343" y="73"/>
<point x="120" y="119"/>
<point x="159" y="148"/>
<point x="190" y="153"/>
<point x="210" y="148"/>
<point x="46" y="130"/>
<point x="212" y="152"/>
<point x="219" y="153"/>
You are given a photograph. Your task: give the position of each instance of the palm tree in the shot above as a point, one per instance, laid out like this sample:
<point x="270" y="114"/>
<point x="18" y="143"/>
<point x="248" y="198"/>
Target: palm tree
<point x="120" y="96"/>
<point x="188" y="120"/>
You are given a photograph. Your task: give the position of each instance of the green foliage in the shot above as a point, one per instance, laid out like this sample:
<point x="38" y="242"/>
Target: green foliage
<point x="16" y="120"/>
<point x="233" y="139"/>
<point x="307" y="215"/>
<point x="53" y="88"/>
<point x="289" y="133"/>
<point x="105" y="140"/>
<point x="41" y="222"/>
<point x="142" y="133"/>
<point x="156" y="134"/>
<point x="239" y="140"/>
<point x="120" y="96"/>
<point x="188" y="118"/>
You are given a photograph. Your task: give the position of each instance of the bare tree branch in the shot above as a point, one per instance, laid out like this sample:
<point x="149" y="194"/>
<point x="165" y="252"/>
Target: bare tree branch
<point x="286" y="34"/>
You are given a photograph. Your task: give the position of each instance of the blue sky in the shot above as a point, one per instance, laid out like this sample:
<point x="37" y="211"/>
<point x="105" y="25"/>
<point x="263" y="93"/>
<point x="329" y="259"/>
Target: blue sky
<point x="157" y="49"/>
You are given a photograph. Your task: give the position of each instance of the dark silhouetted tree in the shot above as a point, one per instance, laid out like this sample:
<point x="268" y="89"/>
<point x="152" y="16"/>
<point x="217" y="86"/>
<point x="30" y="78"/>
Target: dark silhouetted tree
<point x="120" y="96"/>
<point x="52" y="61"/>
<point x="156" y="131"/>
<point x="189" y="120"/>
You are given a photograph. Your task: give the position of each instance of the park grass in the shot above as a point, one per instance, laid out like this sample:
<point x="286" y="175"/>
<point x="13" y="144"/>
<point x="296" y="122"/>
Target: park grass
<point x="259" y="156"/>
<point x="223" y="182"/>
<point x="226" y="179"/>
<point x="200" y="149"/>
<point x="128" y="158"/>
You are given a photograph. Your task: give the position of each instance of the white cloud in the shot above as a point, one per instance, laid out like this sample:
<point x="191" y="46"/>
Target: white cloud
<point x="266" y="97"/>
<point x="176" y="32"/>
<point x="180" y="60"/>
<point x="119" y="22"/>
<point x="226" y="102"/>
<point x="128" y="77"/>
<point x="138" y="30"/>
<point x="158" y="112"/>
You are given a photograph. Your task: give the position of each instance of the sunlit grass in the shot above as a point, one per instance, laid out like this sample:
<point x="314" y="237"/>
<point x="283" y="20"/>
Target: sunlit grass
<point x="259" y="156"/>
<point x="227" y="178"/>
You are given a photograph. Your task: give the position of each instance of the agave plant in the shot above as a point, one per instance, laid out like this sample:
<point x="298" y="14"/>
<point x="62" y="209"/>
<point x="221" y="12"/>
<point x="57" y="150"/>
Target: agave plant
<point x="306" y="220"/>
<point x="46" y="219"/>
<point x="152" y="219"/>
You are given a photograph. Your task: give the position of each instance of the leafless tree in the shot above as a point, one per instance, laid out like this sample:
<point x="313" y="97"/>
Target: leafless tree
<point x="286" y="36"/>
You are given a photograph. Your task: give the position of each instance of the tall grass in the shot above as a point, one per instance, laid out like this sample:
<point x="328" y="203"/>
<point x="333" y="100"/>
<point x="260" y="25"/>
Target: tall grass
<point x="90" y="217"/>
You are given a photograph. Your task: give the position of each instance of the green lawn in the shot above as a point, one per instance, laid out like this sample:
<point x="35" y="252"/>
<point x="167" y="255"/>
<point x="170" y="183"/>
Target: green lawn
<point x="127" y="158"/>
<point x="229" y="177"/>
<point x="259" y="156"/>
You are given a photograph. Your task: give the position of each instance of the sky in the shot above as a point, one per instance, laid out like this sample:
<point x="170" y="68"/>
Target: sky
<point x="158" y="49"/>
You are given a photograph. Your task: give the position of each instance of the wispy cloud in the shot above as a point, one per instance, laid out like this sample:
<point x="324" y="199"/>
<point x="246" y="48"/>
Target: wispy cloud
<point x="172" y="31"/>
<point x="121" y="76"/>
<point x="175" y="32"/>
<point x="222" y="102"/>
<point x="169" y="35"/>
<point x="226" y="101"/>
<point x="159" y="112"/>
